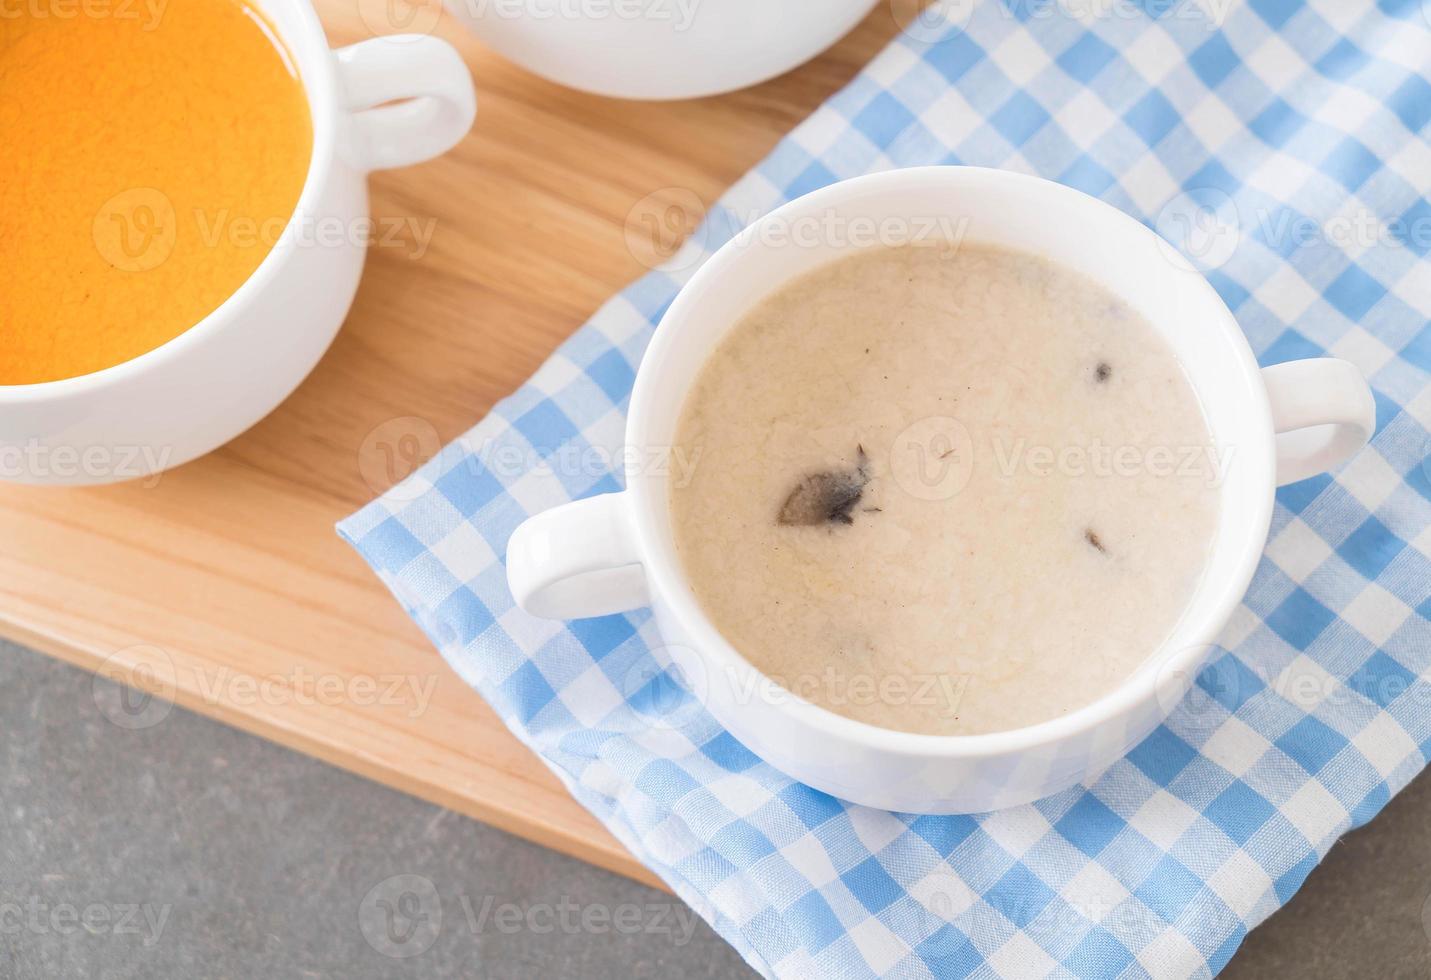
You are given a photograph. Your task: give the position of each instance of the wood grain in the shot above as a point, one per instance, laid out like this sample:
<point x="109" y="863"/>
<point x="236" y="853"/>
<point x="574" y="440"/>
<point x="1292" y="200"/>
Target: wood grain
<point x="222" y="585"/>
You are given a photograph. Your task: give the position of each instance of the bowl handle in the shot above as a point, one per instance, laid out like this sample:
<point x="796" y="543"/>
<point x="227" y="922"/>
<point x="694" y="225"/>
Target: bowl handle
<point x="577" y="560"/>
<point x="430" y="87"/>
<point x="1323" y="413"/>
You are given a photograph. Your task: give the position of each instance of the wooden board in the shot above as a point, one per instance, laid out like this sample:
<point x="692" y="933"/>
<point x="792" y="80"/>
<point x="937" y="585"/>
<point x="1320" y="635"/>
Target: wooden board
<point x="223" y="585"/>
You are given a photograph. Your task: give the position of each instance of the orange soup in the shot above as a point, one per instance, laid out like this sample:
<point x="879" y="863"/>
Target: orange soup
<point x="153" y="153"/>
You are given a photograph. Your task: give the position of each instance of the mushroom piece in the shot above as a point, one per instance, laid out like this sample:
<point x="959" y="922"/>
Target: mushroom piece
<point x="827" y="497"/>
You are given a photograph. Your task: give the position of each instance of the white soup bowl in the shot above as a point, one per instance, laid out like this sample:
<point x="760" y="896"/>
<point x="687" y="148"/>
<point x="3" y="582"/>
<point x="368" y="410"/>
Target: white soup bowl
<point x="616" y="551"/>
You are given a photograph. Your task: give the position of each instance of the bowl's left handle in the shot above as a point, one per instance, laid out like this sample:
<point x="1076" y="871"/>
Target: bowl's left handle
<point x="577" y="560"/>
<point x="410" y="96"/>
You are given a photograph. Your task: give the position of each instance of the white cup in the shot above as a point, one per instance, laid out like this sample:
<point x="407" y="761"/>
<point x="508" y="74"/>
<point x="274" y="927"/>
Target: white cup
<point x="659" y="49"/>
<point x="233" y="367"/>
<point x="615" y="552"/>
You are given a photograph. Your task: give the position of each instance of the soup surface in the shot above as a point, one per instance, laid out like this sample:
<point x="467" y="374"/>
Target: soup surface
<point x="155" y="152"/>
<point x="943" y="489"/>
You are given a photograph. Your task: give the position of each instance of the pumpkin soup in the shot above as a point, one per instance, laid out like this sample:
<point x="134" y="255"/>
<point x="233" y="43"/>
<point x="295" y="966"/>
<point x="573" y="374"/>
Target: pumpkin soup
<point x="154" y="158"/>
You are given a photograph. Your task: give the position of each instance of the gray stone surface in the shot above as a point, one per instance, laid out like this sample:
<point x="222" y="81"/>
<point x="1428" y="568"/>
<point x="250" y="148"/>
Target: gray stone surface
<point x="187" y="849"/>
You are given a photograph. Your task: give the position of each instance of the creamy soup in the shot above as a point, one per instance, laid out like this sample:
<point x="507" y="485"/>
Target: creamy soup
<point x="944" y="489"/>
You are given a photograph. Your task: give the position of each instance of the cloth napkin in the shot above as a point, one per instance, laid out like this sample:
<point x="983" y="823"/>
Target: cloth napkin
<point x="1283" y="145"/>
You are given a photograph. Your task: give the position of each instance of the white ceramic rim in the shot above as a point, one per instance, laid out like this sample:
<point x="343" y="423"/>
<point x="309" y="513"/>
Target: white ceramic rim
<point x="1212" y="602"/>
<point x="313" y="61"/>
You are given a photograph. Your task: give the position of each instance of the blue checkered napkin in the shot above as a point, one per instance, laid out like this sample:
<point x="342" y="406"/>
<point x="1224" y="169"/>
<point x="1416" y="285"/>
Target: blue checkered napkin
<point x="1287" y="122"/>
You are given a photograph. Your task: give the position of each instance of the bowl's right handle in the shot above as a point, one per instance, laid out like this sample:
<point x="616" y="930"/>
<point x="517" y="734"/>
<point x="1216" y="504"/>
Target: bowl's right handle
<point x="411" y="98"/>
<point x="1323" y="413"/>
<point x="577" y="560"/>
